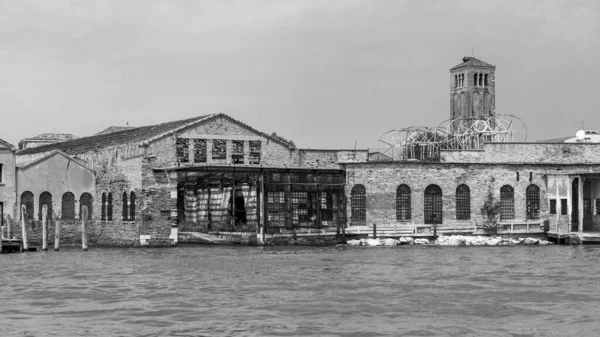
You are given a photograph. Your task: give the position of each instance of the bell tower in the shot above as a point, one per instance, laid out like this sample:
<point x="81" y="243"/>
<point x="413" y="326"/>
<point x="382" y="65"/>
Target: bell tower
<point x="472" y="89"/>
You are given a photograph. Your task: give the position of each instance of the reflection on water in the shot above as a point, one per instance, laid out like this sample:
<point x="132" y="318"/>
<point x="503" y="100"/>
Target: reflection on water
<point x="299" y="291"/>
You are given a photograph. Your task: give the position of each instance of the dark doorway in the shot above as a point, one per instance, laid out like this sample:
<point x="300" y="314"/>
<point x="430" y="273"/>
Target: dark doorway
<point x="575" y="205"/>
<point x="237" y="207"/>
<point x="433" y="205"/>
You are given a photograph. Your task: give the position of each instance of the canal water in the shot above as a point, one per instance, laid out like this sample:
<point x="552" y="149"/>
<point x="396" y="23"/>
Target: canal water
<point x="302" y="291"/>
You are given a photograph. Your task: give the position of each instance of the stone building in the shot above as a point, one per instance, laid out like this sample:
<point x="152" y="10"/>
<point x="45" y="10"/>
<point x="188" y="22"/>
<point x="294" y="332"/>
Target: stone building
<point x="45" y="139"/>
<point x="7" y="182"/>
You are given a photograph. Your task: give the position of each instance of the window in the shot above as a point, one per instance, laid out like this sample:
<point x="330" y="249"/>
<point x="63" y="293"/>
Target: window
<point x="45" y="199"/>
<point x="597" y="206"/>
<point x="475" y="80"/>
<point x="237" y="151"/>
<point x="1" y="214"/>
<point x="532" y="198"/>
<point x="125" y="205"/>
<point x="85" y="200"/>
<point x="463" y="202"/>
<point x="254" y="155"/>
<point x="300" y="206"/>
<point x="564" y="207"/>
<point x="1" y="173"/>
<point x="219" y="150"/>
<point x="485" y="80"/>
<point x="403" y="210"/>
<point x="433" y="204"/>
<point x="507" y="202"/>
<point x="199" y="150"/>
<point x="132" y="199"/>
<point x="587" y="206"/>
<point x="552" y="206"/>
<point x="27" y="200"/>
<point x="276" y="209"/>
<point x="103" y="207"/>
<point x="358" y="204"/>
<point x="183" y="150"/>
<point x="326" y="206"/>
<point x="68" y="206"/>
<point x="109" y="207"/>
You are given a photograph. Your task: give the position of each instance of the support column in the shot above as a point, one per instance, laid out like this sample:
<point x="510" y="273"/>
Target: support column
<point x="580" y="206"/>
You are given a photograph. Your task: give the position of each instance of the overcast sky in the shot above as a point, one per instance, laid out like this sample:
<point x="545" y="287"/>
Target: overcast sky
<point x="323" y="73"/>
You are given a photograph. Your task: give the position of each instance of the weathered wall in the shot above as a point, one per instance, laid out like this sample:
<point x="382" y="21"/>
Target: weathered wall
<point x="533" y="153"/>
<point x="382" y="179"/>
<point x="7" y="186"/>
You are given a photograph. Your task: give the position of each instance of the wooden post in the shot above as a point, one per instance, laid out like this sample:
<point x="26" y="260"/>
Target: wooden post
<point x="44" y="228"/>
<point x="265" y="217"/>
<point x="374" y="231"/>
<point x="8" y="231"/>
<point x="56" y="235"/>
<point x="24" y="227"/>
<point x="84" y="219"/>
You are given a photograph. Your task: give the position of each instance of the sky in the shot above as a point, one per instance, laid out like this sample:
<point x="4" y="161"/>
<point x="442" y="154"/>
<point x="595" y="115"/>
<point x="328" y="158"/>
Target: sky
<point x="325" y="74"/>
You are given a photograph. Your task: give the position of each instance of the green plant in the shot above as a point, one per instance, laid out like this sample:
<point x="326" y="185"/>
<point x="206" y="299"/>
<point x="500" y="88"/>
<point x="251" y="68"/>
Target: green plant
<point x="491" y="210"/>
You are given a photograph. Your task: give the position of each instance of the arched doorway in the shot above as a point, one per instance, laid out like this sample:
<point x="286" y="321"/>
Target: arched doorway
<point x="433" y="205"/>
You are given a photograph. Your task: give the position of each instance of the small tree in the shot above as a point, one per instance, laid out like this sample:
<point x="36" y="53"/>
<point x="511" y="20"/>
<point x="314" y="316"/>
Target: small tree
<point x="491" y="210"/>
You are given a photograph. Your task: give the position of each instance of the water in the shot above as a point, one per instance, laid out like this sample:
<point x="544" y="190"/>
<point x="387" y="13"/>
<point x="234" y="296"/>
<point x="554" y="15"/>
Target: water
<point x="302" y="291"/>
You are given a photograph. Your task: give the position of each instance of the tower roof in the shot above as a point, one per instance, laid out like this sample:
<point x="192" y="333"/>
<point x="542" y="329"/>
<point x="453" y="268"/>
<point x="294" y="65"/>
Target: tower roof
<point x="470" y="61"/>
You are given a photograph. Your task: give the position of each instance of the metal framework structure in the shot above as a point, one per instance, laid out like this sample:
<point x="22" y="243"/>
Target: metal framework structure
<point x="425" y="143"/>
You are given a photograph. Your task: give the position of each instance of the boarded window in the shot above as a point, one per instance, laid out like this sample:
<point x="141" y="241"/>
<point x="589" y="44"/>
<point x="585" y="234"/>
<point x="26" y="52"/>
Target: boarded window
<point x="183" y="150"/>
<point x="219" y="150"/>
<point x="403" y="204"/>
<point x="507" y="202"/>
<point x="68" y="206"/>
<point x="564" y="207"/>
<point x="326" y="206"/>
<point x="103" y="207"/>
<point x="532" y="198"/>
<point x="109" y="207"/>
<point x="85" y="200"/>
<point x="132" y="200"/>
<point x="552" y="206"/>
<point x="237" y="151"/>
<point x="358" y="204"/>
<point x="433" y="204"/>
<point x="255" y="152"/>
<point x="125" y="206"/>
<point x="45" y="199"/>
<point x="463" y="202"/>
<point x="27" y="200"/>
<point x="200" y="151"/>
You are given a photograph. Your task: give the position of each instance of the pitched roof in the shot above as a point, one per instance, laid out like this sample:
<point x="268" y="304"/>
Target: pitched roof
<point x="26" y="161"/>
<point x="140" y="135"/>
<point x="53" y="137"/>
<point x="6" y="144"/>
<point x="112" y="129"/>
<point x="469" y="61"/>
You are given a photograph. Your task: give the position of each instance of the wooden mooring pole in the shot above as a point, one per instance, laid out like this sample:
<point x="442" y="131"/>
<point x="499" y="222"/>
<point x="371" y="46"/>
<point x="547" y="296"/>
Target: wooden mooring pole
<point x="84" y="219"/>
<point x="374" y="231"/>
<point x="56" y="235"/>
<point x="45" y="228"/>
<point x="24" y="227"/>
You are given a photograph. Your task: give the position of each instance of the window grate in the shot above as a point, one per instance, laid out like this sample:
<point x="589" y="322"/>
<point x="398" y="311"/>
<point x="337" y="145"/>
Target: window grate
<point x="183" y="150"/>
<point x="532" y="198"/>
<point x="433" y="205"/>
<point x="255" y="152"/>
<point x="358" y="203"/>
<point x="326" y="206"/>
<point x="200" y="151"/>
<point x="219" y="150"/>
<point x="463" y="202"/>
<point x="403" y="210"/>
<point x="237" y="151"/>
<point x="587" y="206"/>
<point x="507" y="202"/>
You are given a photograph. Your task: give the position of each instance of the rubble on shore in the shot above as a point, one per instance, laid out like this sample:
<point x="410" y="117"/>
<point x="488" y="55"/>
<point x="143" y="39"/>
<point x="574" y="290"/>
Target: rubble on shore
<point x="454" y="240"/>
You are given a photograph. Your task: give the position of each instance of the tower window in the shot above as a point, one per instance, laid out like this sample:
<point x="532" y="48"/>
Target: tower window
<point x="475" y="83"/>
<point x="481" y="80"/>
<point x="485" y="80"/>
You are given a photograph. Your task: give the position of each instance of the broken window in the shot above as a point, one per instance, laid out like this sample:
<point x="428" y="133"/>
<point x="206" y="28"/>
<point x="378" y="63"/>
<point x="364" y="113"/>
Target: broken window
<point x="254" y="155"/>
<point x="132" y="199"/>
<point x="507" y="202"/>
<point x="552" y="206"/>
<point x="237" y="151"/>
<point x="358" y="204"/>
<point x="85" y="200"/>
<point x="200" y="151"/>
<point x="183" y="150"/>
<point x="45" y="199"/>
<point x="300" y="206"/>
<point x="463" y="202"/>
<point x="68" y="206"/>
<point x="276" y="209"/>
<point x="532" y="200"/>
<point x="219" y="150"/>
<point x="403" y="208"/>
<point x="27" y="200"/>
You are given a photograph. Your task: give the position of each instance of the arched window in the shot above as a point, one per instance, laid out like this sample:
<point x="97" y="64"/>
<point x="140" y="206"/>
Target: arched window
<point x="463" y="202"/>
<point x="45" y="199"/>
<point x="132" y="207"/>
<point x="85" y="200"/>
<point x="403" y="210"/>
<point x="433" y="205"/>
<point x="68" y="206"/>
<point x="109" y="207"/>
<point x="27" y="200"/>
<point x="507" y="202"/>
<point x="475" y="78"/>
<point x="481" y="80"/>
<point x="125" y="213"/>
<point x="358" y="204"/>
<point x="532" y="196"/>
<point x="485" y="80"/>
<point x="456" y="81"/>
<point x="103" y="207"/>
